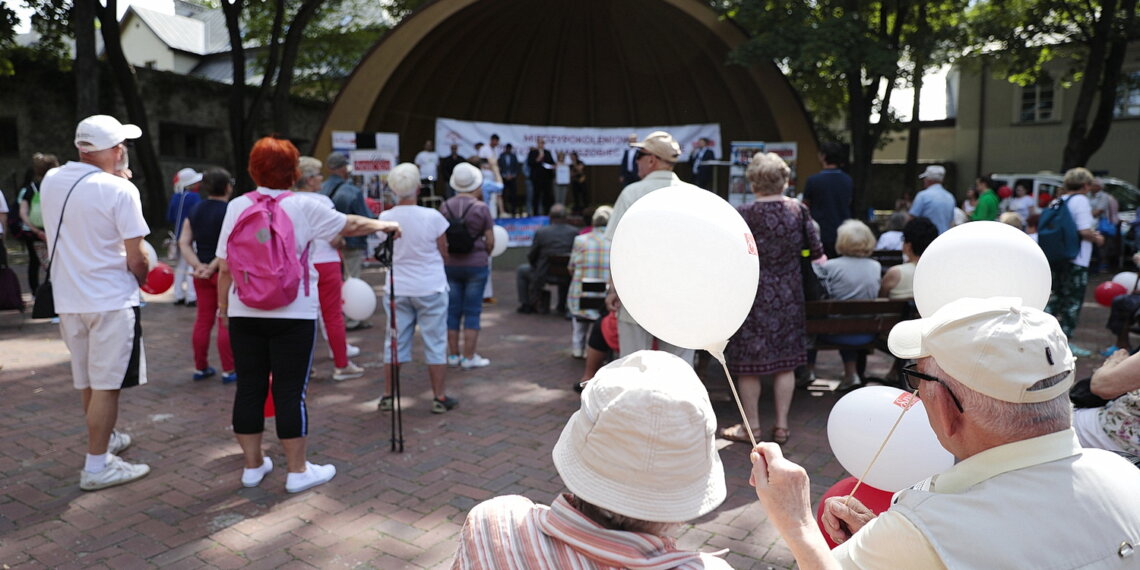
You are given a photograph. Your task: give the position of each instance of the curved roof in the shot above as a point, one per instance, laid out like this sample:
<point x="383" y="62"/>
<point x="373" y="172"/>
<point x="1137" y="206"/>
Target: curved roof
<point x="551" y="62"/>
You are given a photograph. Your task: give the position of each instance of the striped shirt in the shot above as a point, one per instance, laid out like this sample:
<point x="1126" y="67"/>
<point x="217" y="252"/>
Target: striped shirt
<point x="511" y="532"/>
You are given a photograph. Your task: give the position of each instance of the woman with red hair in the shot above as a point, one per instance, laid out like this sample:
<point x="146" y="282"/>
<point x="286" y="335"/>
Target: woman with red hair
<point x="279" y="342"/>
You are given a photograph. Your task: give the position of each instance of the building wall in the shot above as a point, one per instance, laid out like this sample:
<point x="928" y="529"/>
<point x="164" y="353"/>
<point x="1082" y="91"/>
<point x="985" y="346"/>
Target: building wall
<point x="144" y="49"/>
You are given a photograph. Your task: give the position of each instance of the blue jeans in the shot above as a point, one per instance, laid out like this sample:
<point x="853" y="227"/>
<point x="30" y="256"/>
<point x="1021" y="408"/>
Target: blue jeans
<point x="466" y="301"/>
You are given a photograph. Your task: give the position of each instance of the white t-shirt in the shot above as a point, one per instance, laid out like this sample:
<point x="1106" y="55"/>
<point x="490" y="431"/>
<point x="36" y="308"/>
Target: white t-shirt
<point x="322" y="251"/>
<point x="892" y="239"/>
<point x="89" y="271"/>
<point x="1081" y="211"/>
<point x="562" y="173"/>
<point x="311" y="221"/>
<point x="428" y="163"/>
<point x="417" y="265"/>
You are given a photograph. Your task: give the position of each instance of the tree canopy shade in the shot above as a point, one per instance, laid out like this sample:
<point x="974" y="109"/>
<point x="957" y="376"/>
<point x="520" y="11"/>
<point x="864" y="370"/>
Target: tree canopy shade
<point x="1081" y="41"/>
<point x="584" y="63"/>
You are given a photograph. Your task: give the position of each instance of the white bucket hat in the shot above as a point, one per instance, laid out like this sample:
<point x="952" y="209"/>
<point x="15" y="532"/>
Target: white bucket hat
<point x="466" y="178"/>
<point x="186" y="177"/>
<point x="643" y="445"/>
<point x="994" y="346"/>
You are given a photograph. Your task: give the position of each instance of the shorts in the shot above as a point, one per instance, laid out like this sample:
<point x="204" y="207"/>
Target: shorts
<point x="430" y="313"/>
<point x="106" y="349"/>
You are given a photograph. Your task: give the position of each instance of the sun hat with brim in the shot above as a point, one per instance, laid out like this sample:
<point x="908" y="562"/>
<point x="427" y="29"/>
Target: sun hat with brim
<point x="994" y="346"/>
<point x="642" y="445"/>
<point x="660" y="144"/>
<point x="101" y="132"/>
<point x="466" y="178"/>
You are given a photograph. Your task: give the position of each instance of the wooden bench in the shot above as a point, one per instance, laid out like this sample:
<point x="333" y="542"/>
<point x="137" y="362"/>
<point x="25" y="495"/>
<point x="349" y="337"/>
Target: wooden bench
<point x="875" y="316"/>
<point x="887" y="257"/>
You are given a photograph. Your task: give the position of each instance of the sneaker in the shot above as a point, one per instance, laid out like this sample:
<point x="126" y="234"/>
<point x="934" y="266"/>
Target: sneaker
<point x="204" y="373"/>
<point x="350" y="350"/>
<point x="116" y="472"/>
<point x="191" y="303"/>
<point x="1079" y="352"/>
<point x="229" y="377"/>
<point x="312" y="476"/>
<point x="348" y="372"/>
<point x="385" y="404"/>
<point x="453" y="360"/>
<point x="442" y="406"/>
<point x="475" y="361"/>
<point x="578" y="353"/>
<point x="253" y="477"/>
<point x="118" y="442"/>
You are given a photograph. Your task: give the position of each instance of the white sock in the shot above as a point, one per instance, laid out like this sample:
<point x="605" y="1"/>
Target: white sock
<point x="96" y="463"/>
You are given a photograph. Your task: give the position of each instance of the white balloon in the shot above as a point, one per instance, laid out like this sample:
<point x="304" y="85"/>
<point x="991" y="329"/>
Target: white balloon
<point x="151" y="255"/>
<point x="685" y="266"/>
<point x="981" y="259"/>
<point x="1127" y="279"/>
<point x="501" y="239"/>
<point x="358" y="298"/>
<point x="861" y="420"/>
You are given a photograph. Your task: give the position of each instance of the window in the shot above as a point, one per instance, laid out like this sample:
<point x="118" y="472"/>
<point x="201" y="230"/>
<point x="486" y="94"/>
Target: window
<point x="183" y="141"/>
<point x="1127" y="96"/>
<point x="1037" y="101"/>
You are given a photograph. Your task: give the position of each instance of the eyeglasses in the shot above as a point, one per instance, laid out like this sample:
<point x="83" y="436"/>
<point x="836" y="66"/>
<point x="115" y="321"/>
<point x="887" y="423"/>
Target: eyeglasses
<point x="638" y="155"/>
<point x="912" y="376"/>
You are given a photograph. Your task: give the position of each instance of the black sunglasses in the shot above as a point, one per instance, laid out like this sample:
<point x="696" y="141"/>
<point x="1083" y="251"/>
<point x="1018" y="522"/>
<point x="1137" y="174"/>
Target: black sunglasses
<point x="912" y="376"/>
<point x="637" y="155"/>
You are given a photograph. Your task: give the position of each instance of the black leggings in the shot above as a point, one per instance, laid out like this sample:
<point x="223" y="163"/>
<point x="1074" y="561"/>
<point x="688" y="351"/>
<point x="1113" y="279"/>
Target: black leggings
<point x="283" y="347"/>
<point x="33" y="263"/>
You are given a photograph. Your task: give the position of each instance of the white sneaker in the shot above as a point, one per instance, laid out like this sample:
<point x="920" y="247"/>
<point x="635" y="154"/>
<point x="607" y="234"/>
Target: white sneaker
<point x="350" y="350"/>
<point x="453" y="360"/>
<point x="475" y="361"/>
<point x="116" y="472"/>
<point x="119" y="441"/>
<point x="348" y="372"/>
<point x="312" y="476"/>
<point x="253" y="477"/>
<point x="578" y="353"/>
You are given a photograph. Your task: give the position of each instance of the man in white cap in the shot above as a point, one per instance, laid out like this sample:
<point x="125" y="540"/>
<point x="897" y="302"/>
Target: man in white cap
<point x="994" y="377"/>
<point x="934" y="201"/>
<point x="639" y="459"/>
<point x="656" y="157"/>
<point x="97" y="264"/>
<point x="181" y="204"/>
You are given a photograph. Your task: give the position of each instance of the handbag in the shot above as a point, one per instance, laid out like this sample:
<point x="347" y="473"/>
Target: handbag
<point x="44" y="307"/>
<point x="1106" y="227"/>
<point x="813" y="289"/>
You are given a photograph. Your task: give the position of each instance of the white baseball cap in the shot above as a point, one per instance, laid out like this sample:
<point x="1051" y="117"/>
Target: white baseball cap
<point x="643" y="443"/>
<point x="101" y="132"/>
<point x="994" y="346"/>
<point x="934" y="172"/>
<point x="186" y="177"/>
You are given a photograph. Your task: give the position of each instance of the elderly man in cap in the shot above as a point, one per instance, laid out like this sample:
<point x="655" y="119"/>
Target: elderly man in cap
<point x="181" y="204"/>
<point x="656" y="157"/>
<point x="632" y="482"/>
<point x="934" y="201"/>
<point x="347" y="199"/>
<point x="994" y="377"/>
<point x="97" y="264"/>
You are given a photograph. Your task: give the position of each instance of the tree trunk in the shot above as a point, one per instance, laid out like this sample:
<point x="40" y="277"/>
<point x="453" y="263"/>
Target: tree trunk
<point x="914" y="133"/>
<point x="239" y="143"/>
<point x="1077" y="148"/>
<point x="86" y="61"/>
<point x="154" y="202"/>
<point x="289" y="52"/>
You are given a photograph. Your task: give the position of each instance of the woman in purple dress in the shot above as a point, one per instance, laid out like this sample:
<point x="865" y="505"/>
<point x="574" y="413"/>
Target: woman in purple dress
<point x="772" y="340"/>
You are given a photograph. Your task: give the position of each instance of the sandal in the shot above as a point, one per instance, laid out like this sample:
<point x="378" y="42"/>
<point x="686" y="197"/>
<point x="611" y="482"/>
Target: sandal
<point x="780" y="435"/>
<point x="737" y="433"/>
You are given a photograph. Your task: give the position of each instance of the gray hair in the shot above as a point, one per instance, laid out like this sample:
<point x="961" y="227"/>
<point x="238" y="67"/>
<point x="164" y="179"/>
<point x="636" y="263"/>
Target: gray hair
<point x="1017" y="421"/>
<point x="309" y="168"/>
<point x="768" y="173"/>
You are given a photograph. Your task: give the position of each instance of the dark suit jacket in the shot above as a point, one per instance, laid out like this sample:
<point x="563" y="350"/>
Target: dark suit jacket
<point x="628" y="172"/>
<point x="702" y="175"/>
<point x="555" y="239"/>
<point x="539" y="173"/>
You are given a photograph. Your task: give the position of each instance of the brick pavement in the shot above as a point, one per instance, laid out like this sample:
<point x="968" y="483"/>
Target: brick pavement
<point x="383" y="510"/>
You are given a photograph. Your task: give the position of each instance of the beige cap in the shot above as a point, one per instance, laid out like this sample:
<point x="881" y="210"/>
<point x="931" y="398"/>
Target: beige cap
<point x="642" y="445"/>
<point x="660" y="144"/>
<point x="994" y="346"/>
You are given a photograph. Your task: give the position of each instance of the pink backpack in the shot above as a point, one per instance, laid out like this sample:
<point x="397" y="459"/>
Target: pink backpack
<point x="262" y="255"/>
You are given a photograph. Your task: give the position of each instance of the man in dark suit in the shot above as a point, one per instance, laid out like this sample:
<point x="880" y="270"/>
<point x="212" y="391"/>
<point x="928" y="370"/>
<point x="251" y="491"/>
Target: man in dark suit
<point x="541" y="165"/>
<point x="509" y="169"/>
<point x="629" y="164"/>
<point x="531" y="278"/>
<point x="702" y="172"/>
<point x="446" y="165"/>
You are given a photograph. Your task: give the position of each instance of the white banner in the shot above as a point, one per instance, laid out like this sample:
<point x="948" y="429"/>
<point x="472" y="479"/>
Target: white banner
<point x="594" y="145"/>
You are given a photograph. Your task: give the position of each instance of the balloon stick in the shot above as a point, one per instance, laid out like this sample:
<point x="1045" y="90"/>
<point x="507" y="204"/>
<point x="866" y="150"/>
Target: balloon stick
<point x="718" y="354"/>
<point x="880" y="450"/>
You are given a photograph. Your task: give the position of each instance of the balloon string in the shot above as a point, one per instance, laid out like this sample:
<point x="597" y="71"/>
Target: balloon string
<point x="719" y="356"/>
<point x="876" y="456"/>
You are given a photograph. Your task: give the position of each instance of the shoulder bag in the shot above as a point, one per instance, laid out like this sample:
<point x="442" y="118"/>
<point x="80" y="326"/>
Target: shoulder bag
<point x="813" y="289"/>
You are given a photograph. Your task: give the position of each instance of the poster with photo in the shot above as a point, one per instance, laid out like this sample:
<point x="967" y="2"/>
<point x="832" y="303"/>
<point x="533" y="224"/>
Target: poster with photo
<point x="739" y="190"/>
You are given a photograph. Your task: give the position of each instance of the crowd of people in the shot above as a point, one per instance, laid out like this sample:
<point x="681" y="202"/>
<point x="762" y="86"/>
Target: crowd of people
<point x="998" y="401"/>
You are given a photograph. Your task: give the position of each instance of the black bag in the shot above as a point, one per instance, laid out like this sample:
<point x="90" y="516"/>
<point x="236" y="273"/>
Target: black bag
<point x="1082" y="396"/>
<point x="458" y="238"/>
<point x="813" y="289"/>
<point x="10" y="295"/>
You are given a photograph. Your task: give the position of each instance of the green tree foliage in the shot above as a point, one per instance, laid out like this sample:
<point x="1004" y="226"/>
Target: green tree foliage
<point x="1078" y="42"/>
<point x="845" y="57"/>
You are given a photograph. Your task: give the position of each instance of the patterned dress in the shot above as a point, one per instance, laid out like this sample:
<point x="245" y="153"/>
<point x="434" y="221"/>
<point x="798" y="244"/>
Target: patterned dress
<point x="772" y="338"/>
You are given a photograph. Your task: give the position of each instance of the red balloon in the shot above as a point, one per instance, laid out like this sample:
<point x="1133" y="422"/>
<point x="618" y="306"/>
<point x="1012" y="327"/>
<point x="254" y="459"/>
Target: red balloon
<point x="1107" y="291"/>
<point x="159" y="279"/>
<point x="875" y="499"/>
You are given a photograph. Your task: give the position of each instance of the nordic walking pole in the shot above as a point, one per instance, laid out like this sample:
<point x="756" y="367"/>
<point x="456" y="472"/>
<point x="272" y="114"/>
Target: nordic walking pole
<point x="384" y="256"/>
